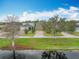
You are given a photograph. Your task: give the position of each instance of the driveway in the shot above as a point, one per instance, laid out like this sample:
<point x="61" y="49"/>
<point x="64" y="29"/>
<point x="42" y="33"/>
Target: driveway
<point x="39" y="33"/>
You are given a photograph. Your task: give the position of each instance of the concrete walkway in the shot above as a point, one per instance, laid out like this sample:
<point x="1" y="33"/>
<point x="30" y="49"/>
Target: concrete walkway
<point x="48" y="37"/>
<point x="44" y="37"/>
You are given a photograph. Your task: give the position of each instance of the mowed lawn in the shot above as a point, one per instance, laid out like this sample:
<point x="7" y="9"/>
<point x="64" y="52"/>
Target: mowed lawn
<point x="49" y="43"/>
<point x="44" y="43"/>
<point x="75" y="33"/>
<point x="4" y="42"/>
<point x="57" y="34"/>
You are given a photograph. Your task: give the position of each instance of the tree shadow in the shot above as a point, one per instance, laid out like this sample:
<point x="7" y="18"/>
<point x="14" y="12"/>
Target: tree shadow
<point x="53" y="55"/>
<point x="17" y="56"/>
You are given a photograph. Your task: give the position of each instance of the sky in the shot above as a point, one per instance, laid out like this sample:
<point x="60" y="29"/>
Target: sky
<point x="39" y="9"/>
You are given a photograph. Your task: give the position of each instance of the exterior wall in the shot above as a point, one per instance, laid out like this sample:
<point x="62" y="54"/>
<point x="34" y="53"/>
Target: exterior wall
<point x="25" y="26"/>
<point x="77" y="29"/>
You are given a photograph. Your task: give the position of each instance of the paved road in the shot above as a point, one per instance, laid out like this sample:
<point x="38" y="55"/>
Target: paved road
<point x="33" y="54"/>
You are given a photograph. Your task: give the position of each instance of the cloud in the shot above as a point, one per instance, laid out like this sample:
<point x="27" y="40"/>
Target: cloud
<point x="73" y="8"/>
<point x="71" y="14"/>
<point x="36" y="15"/>
<point x="2" y="18"/>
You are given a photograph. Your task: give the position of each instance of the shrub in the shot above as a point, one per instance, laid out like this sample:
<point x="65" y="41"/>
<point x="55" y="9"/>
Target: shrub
<point x="26" y="31"/>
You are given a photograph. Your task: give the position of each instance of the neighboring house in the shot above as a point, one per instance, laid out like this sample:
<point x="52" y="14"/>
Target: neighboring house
<point x="1" y="26"/>
<point x="27" y="26"/>
<point x="23" y="25"/>
<point x="77" y="27"/>
<point x="39" y="26"/>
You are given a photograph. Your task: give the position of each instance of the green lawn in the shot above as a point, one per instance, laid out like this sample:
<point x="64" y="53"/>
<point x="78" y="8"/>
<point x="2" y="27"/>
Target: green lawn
<point x="4" y="42"/>
<point x="49" y="43"/>
<point x="56" y="34"/>
<point x="76" y="33"/>
<point x="46" y="34"/>
<point x="44" y="43"/>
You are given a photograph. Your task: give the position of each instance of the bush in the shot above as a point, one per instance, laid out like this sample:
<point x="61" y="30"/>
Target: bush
<point x="26" y="31"/>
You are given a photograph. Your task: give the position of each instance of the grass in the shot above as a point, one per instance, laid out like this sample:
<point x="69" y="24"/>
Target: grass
<point x="49" y="43"/>
<point x="56" y="34"/>
<point x="76" y="33"/>
<point x="4" y="42"/>
<point x="44" y="43"/>
<point x="48" y="34"/>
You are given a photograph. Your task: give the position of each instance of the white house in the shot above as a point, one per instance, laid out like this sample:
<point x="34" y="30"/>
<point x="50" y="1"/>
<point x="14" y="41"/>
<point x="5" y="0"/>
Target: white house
<point x="77" y="27"/>
<point x="26" y="25"/>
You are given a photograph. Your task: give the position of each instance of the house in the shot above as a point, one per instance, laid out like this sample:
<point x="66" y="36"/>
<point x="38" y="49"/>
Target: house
<point x="27" y="26"/>
<point x="77" y="27"/>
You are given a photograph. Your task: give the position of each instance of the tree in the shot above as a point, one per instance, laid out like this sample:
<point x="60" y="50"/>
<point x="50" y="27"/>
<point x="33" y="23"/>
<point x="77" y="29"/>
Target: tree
<point x="54" y="24"/>
<point x="11" y="28"/>
<point x="57" y="24"/>
<point x="70" y="26"/>
<point x="26" y="31"/>
<point x="34" y="28"/>
<point x="46" y="26"/>
<point x="62" y="24"/>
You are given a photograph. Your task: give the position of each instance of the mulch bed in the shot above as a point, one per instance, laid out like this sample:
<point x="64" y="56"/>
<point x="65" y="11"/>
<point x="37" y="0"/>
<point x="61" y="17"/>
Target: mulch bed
<point x="17" y="47"/>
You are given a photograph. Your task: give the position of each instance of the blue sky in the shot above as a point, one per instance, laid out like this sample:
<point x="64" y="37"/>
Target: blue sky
<point x="38" y="7"/>
<point x="19" y="6"/>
